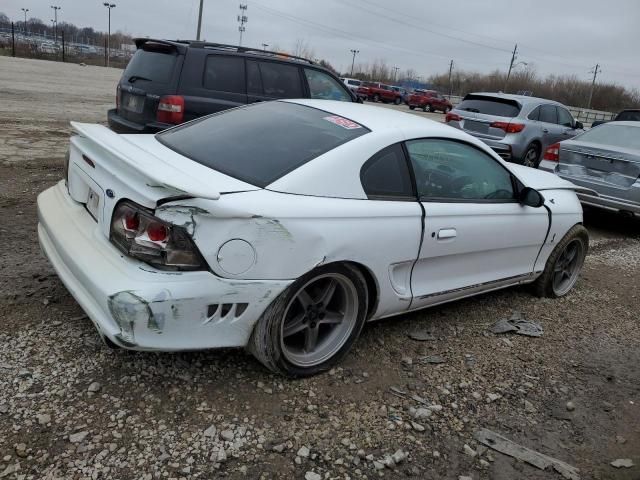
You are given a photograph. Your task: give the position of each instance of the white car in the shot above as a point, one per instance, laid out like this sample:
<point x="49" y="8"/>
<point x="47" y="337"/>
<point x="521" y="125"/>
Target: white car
<point x="284" y="226"/>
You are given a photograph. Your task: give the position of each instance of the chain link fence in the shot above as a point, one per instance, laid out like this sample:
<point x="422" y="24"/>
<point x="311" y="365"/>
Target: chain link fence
<point x="61" y="47"/>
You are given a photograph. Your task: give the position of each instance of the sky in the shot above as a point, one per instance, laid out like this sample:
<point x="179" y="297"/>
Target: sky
<point x="553" y="36"/>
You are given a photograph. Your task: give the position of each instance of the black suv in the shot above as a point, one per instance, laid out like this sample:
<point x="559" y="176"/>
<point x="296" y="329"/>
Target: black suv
<point x="170" y="82"/>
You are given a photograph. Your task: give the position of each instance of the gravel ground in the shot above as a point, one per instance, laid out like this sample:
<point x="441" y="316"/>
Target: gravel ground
<point x="72" y="408"/>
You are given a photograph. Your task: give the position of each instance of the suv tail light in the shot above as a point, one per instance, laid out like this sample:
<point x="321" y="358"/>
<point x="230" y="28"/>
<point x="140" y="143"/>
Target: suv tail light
<point x="508" y="126"/>
<point x="552" y="153"/>
<point x="171" y="109"/>
<point x="139" y="234"/>
<point x="452" y="117"/>
<point x="118" y="97"/>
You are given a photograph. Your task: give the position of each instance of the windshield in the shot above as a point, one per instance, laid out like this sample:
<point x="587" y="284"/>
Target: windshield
<point x="621" y="136"/>
<point x="499" y="107"/>
<point x="260" y="143"/>
<point x="153" y="66"/>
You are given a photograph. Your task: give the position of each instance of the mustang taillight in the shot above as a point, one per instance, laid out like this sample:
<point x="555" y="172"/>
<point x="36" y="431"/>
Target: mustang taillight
<point x="139" y="234"/>
<point x="552" y="153"/>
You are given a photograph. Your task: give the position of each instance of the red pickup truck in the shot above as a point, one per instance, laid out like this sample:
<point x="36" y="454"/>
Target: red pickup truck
<point x="379" y="92"/>
<point x="429" y="101"/>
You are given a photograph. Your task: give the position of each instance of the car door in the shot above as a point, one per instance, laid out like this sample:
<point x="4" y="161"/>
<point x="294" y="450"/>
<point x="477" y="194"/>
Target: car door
<point x="567" y="123"/>
<point x="386" y="180"/>
<point x="272" y="80"/>
<point x="477" y="236"/>
<point x="551" y="131"/>
<point x="218" y="85"/>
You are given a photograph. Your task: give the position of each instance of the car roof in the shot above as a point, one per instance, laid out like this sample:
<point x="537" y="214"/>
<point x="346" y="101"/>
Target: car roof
<point x="521" y="99"/>
<point x="624" y="123"/>
<point x="375" y="118"/>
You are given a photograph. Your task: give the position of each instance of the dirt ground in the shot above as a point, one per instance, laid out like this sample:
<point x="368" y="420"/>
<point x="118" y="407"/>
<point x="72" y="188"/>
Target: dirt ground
<point x="71" y="408"/>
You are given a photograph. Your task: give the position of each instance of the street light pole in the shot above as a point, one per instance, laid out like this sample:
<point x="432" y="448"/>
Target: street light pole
<point x="353" y="60"/>
<point x="199" y="21"/>
<point x="109" y="7"/>
<point x="55" y="23"/>
<point x="25" y="10"/>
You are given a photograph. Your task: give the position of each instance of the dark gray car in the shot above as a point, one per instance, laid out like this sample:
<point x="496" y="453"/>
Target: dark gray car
<point x="605" y="159"/>
<point x="517" y="127"/>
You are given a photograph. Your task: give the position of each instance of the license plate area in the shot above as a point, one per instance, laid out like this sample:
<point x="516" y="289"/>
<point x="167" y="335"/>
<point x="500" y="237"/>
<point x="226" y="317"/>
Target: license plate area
<point x="133" y="103"/>
<point x="475" y="126"/>
<point x="93" y="203"/>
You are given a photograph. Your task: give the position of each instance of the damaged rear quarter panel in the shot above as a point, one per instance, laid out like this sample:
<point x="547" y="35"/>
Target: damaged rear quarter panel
<point x="292" y="234"/>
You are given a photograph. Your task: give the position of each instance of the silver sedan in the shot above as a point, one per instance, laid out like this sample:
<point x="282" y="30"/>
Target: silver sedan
<point x="605" y="159"/>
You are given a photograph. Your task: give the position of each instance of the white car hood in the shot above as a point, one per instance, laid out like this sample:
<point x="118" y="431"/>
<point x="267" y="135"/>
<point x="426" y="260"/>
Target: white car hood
<point x="539" y="180"/>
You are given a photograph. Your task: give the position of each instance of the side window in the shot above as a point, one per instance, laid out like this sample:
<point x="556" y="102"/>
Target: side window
<point x="254" y="80"/>
<point x="386" y="175"/>
<point x="224" y="74"/>
<point x="564" y="117"/>
<point x="447" y="170"/>
<point x="323" y="86"/>
<point x="548" y="114"/>
<point x="535" y="114"/>
<point x="280" y="80"/>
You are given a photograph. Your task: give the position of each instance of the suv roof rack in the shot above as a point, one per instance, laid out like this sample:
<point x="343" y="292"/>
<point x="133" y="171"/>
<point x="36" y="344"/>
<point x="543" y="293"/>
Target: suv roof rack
<point x="239" y="49"/>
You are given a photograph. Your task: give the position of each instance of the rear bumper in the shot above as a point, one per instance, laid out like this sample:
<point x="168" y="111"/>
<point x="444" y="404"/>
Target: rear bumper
<point x="509" y="148"/>
<point x="121" y="125"/>
<point x="139" y="307"/>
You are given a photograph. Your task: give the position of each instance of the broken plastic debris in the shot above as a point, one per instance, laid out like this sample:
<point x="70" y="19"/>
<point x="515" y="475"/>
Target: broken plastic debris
<point x="622" y="463"/>
<point x="433" y="359"/>
<point x="519" y="325"/>
<point x="421" y="335"/>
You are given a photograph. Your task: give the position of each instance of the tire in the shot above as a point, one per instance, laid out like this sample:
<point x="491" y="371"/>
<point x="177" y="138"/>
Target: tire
<point x="428" y="108"/>
<point x="424" y="108"/>
<point x="376" y="98"/>
<point x="531" y="157"/>
<point x="411" y="107"/>
<point x="446" y="110"/>
<point x="397" y="101"/>
<point x="545" y="286"/>
<point x="287" y="354"/>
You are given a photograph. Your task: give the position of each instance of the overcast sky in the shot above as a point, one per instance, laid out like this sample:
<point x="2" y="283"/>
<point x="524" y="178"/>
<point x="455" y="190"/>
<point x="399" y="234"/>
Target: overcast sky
<point x="556" y="36"/>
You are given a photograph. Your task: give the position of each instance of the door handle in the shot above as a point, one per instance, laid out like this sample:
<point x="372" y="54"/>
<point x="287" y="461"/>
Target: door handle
<point x="447" y="233"/>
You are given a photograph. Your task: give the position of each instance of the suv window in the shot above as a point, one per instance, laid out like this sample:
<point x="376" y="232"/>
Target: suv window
<point x="500" y="107"/>
<point x="454" y="171"/>
<point x="274" y="80"/>
<point x="564" y="117"/>
<point x="628" y="115"/>
<point x="283" y="136"/>
<point x="224" y="74"/>
<point x="154" y="66"/>
<point x="324" y="87"/>
<point x="535" y="114"/>
<point x="386" y="174"/>
<point x="548" y="114"/>
<point x="356" y="83"/>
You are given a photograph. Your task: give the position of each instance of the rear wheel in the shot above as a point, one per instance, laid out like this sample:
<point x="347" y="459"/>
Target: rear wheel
<point x="411" y="107"/>
<point x="531" y="156"/>
<point x="446" y="110"/>
<point x="313" y="324"/>
<point x="397" y="101"/>
<point x="376" y="98"/>
<point x="564" y="264"/>
<point x="428" y="108"/>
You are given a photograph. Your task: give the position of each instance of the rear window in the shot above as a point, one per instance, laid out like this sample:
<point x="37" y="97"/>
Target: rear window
<point x="633" y="116"/>
<point x="151" y="65"/>
<point x="622" y="136"/>
<point x="356" y="83"/>
<point x="500" y="107"/>
<point x="260" y="143"/>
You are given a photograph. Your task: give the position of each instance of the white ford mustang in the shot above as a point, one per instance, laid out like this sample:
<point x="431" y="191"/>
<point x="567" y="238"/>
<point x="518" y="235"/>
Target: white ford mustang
<point x="284" y="226"/>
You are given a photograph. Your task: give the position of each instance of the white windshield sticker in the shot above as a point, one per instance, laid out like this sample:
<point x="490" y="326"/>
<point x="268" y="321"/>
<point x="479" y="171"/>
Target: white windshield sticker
<point x="343" y="122"/>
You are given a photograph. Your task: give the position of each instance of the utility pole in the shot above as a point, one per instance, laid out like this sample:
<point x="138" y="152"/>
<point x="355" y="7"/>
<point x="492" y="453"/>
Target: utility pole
<point x="199" y="21"/>
<point x="395" y="73"/>
<point x="450" y="85"/>
<point x="109" y="7"/>
<point x="353" y="60"/>
<point x="55" y="23"/>
<point x="264" y="46"/>
<point x="514" y="56"/>
<point x="25" y="10"/>
<point x="596" y="70"/>
<point x="242" y="19"/>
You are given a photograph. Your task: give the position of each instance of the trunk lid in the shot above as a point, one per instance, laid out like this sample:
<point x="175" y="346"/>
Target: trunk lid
<point x="105" y="167"/>
<point x="152" y="72"/>
<point x="612" y="168"/>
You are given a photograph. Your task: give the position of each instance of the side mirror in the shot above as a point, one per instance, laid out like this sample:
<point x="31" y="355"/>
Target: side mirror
<point x="531" y="197"/>
<point x="579" y="126"/>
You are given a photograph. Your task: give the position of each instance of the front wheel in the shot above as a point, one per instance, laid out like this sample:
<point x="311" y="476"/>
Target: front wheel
<point x="411" y="107"/>
<point x="446" y="110"/>
<point x="376" y="98"/>
<point x="397" y="101"/>
<point x="313" y="324"/>
<point x="564" y="264"/>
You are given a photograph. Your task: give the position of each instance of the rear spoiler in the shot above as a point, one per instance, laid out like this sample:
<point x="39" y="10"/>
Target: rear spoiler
<point x="145" y="164"/>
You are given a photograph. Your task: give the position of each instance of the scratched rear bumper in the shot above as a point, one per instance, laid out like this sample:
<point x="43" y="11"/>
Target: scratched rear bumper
<point x="135" y="305"/>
